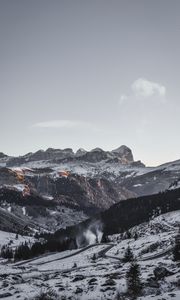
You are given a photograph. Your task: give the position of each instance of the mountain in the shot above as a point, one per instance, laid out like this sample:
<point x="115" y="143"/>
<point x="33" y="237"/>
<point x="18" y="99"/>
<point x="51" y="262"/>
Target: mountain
<point x="55" y="175"/>
<point x="125" y="153"/>
<point x="51" y="156"/>
<point x="11" y="223"/>
<point x="117" y="166"/>
<point x="124" y="215"/>
<point x="2" y="155"/>
<point x="81" y="183"/>
<point x="99" y="201"/>
<point x="61" y="197"/>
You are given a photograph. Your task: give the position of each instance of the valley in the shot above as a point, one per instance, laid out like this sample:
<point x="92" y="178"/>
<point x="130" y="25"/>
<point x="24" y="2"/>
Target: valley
<point x="76" y="214"/>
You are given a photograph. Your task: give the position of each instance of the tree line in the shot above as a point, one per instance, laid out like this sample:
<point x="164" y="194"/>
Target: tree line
<point x="26" y="251"/>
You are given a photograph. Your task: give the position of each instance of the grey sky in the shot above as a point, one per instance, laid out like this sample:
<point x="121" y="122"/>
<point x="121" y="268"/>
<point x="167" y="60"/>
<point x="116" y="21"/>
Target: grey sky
<point x="90" y="73"/>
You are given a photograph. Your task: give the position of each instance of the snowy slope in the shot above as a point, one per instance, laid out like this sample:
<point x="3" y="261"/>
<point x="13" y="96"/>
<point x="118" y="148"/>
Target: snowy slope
<point x="77" y="275"/>
<point x="8" y="238"/>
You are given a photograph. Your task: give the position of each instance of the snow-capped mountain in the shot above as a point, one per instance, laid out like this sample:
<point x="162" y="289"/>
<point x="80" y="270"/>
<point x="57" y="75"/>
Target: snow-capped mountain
<point x="84" y="182"/>
<point x="98" y="201"/>
<point x="51" y="156"/>
<point x="116" y="166"/>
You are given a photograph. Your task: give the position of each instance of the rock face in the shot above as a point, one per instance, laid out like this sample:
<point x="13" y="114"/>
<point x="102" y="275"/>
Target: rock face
<point x="7" y="177"/>
<point x="80" y="152"/>
<point x="95" y="155"/>
<point x="49" y="155"/>
<point x="86" y="181"/>
<point x="54" y="177"/>
<point x="2" y="155"/>
<point x="41" y="195"/>
<point x="117" y="167"/>
<point x="122" y="155"/>
<point x="49" y="175"/>
<point x="85" y="193"/>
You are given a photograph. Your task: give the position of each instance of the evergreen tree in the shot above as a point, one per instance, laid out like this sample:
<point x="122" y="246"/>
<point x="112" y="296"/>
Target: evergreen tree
<point x="37" y="249"/>
<point x="176" y="250"/>
<point x="135" y="236"/>
<point x="22" y="252"/>
<point x="105" y="239"/>
<point x="128" y="234"/>
<point x="6" y="252"/>
<point x="128" y="256"/>
<point x="134" y="285"/>
<point x="94" y="258"/>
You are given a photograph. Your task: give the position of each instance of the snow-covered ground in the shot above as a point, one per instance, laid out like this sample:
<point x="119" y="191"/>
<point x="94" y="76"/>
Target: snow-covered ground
<point x="87" y="168"/>
<point x="113" y="169"/>
<point x="97" y="272"/>
<point x="13" y="240"/>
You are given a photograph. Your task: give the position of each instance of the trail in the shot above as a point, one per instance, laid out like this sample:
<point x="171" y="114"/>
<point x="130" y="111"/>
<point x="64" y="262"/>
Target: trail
<point x="78" y="252"/>
<point x="157" y="255"/>
<point x="100" y="254"/>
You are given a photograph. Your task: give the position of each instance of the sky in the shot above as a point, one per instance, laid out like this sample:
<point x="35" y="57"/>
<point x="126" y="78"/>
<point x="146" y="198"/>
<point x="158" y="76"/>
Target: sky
<point x="90" y="73"/>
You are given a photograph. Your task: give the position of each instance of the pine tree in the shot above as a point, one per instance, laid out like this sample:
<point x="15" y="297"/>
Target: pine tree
<point x="128" y="234"/>
<point x="135" y="236"/>
<point x="128" y="256"/>
<point x="134" y="285"/>
<point x="105" y="239"/>
<point x="176" y="250"/>
<point x="94" y="258"/>
<point x="6" y="252"/>
<point x="22" y="252"/>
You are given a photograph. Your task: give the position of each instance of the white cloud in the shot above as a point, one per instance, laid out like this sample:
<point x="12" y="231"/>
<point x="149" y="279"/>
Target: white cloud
<point x="69" y="125"/>
<point x="122" y="99"/>
<point x="145" y="88"/>
<point x="66" y="124"/>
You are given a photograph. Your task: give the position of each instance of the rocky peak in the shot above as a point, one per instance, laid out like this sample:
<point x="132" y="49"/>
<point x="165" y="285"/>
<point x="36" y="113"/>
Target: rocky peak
<point x="124" y="153"/>
<point x="95" y="155"/>
<point x="57" y="151"/>
<point x="68" y="151"/>
<point x="80" y="152"/>
<point x="2" y="155"/>
<point x="97" y="150"/>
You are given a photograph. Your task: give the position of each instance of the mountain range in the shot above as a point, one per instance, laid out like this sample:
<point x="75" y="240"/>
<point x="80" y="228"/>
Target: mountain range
<point x="64" y="187"/>
<point x="70" y="218"/>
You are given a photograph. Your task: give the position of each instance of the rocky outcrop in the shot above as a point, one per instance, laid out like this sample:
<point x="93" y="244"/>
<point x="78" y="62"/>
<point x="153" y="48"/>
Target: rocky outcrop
<point x="2" y="155"/>
<point x="7" y="177"/>
<point x="123" y="155"/>
<point x="80" y="152"/>
<point x="94" y="156"/>
<point x="89" y="194"/>
<point x="49" y="155"/>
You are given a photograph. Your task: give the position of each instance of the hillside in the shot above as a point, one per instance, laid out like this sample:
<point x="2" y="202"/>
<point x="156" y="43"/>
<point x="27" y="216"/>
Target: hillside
<point x="68" y="187"/>
<point x="98" y="271"/>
